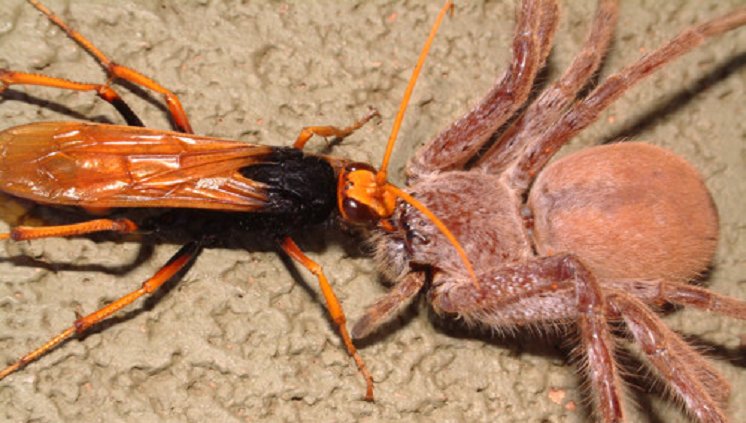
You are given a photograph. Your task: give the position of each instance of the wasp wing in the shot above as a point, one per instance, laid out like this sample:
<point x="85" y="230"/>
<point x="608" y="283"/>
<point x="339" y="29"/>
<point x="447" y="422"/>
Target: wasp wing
<point x="107" y="166"/>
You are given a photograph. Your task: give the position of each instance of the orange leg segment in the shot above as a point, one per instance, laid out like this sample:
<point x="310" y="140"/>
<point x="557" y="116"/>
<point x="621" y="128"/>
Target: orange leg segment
<point x="185" y="255"/>
<point x="334" y="307"/>
<point x="23" y="233"/>
<point x="8" y="78"/>
<point x="331" y="131"/>
<point x="115" y="70"/>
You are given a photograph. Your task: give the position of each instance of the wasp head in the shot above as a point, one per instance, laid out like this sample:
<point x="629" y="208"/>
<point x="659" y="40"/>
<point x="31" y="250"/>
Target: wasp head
<point x="362" y="198"/>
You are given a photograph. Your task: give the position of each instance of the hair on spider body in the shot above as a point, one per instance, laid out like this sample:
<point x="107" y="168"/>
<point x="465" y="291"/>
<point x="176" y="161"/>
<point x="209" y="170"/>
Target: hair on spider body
<point x="603" y="235"/>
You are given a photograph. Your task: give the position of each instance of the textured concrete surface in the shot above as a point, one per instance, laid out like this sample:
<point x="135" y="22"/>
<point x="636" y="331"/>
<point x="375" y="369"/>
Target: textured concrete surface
<point x="244" y="335"/>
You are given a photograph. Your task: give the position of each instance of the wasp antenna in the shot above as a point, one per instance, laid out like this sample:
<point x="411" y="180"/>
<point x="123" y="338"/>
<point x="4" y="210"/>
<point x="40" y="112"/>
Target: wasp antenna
<point x="381" y="176"/>
<point x="440" y="225"/>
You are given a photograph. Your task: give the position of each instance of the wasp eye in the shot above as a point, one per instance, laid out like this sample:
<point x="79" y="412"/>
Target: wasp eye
<point x="358" y="213"/>
<point x="357" y="191"/>
<point x="354" y="167"/>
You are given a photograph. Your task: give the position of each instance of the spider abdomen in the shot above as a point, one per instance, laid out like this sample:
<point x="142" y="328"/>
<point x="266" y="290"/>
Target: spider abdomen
<point x="628" y="210"/>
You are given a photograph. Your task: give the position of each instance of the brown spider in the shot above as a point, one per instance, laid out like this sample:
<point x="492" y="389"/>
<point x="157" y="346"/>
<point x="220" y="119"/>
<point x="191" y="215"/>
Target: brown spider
<point x="199" y="352"/>
<point x="596" y="238"/>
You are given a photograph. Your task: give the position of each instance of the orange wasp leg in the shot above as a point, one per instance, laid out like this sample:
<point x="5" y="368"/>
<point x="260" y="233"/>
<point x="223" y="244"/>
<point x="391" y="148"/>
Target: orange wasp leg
<point x="334" y="307"/>
<point x="8" y="78"/>
<point x="331" y="131"/>
<point x="23" y="233"/>
<point x="115" y="70"/>
<point x="178" y="262"/>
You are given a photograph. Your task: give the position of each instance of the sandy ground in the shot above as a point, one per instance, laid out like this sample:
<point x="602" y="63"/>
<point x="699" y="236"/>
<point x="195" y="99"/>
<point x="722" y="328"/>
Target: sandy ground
<point x="244" y="335"/>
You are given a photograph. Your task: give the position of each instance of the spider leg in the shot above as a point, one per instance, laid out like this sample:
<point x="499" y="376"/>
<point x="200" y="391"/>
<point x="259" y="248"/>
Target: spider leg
<point x="452" y="148"/>
<point x="522" y="172"/>
<point x="388" y="304"/>
<point x="701" y="388"/>
<point x="659" y="291"/>
<point x="702" y="299"/>
<point x="546" y="289"/>
<point x="554" y="100"/>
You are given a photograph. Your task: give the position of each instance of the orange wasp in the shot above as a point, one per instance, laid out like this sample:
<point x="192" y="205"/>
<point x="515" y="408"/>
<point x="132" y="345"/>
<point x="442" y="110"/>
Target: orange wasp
<point x="276" y="189"/>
